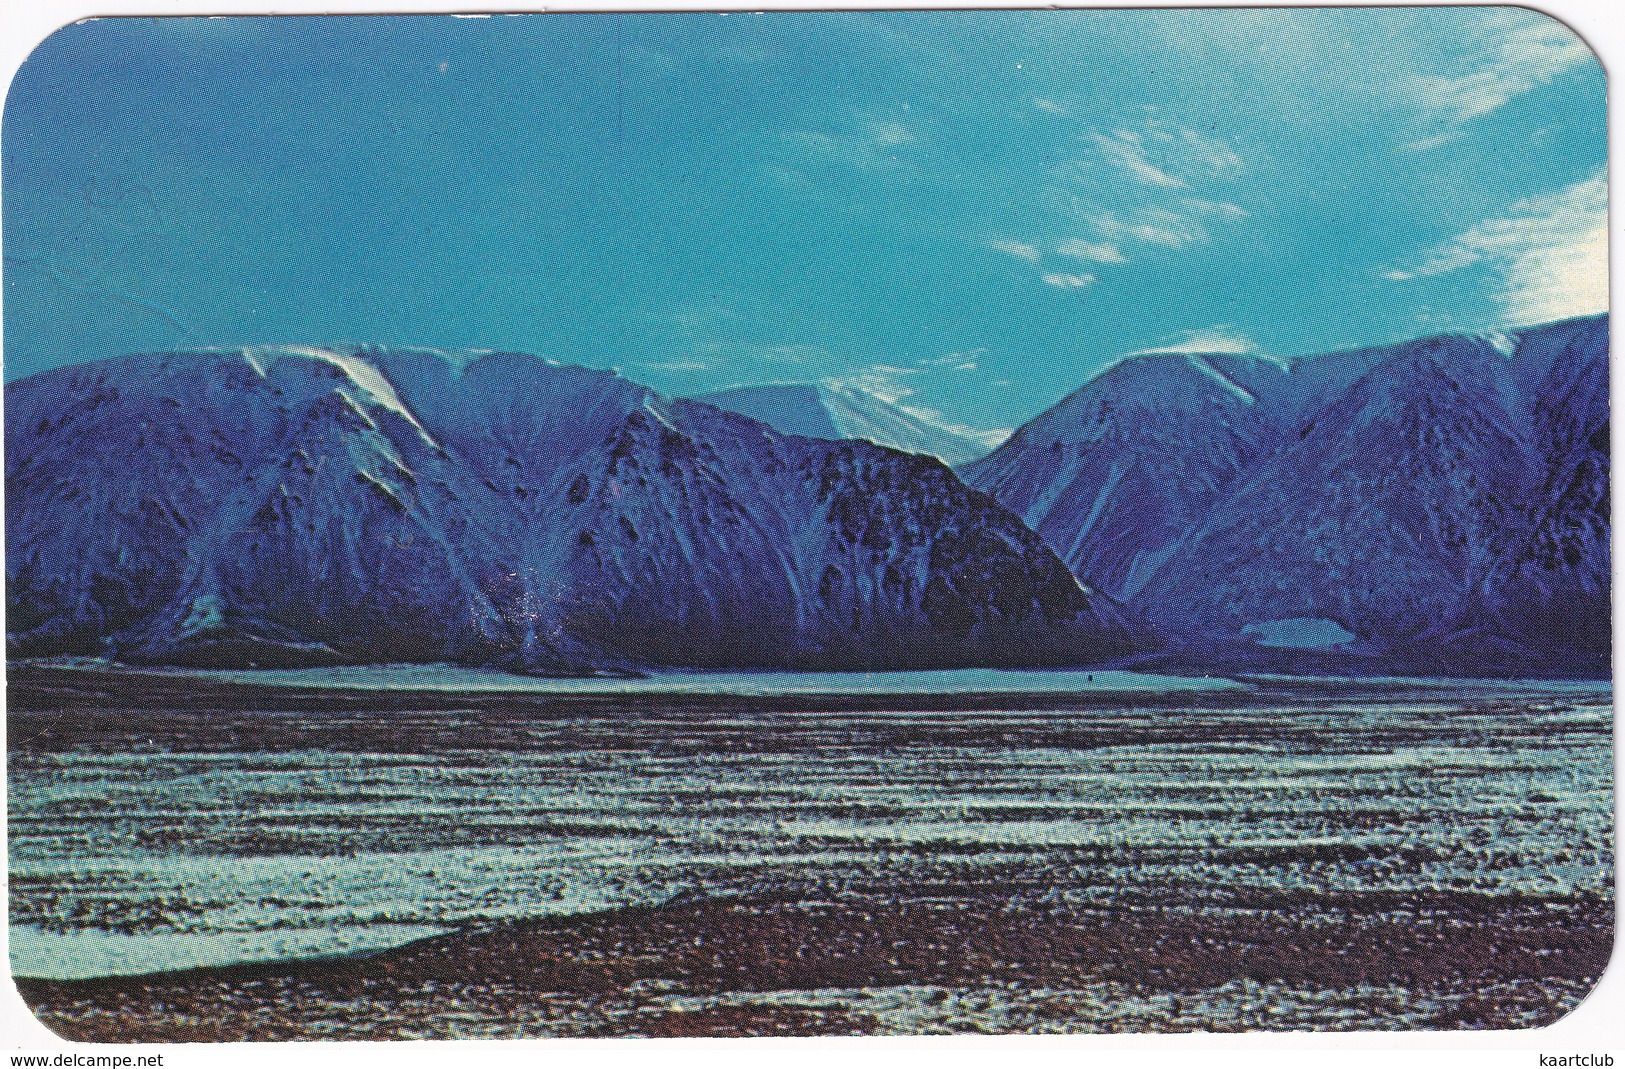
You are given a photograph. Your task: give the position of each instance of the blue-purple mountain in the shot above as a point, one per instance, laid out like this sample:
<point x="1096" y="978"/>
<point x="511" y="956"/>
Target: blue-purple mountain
<point x="296" y="505"/>
<point x="1436" y="505"/>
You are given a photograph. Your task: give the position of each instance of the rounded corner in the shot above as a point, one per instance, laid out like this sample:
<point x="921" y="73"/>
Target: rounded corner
<point x="1591" y="992"/>
<point x="1568" y="28"/>
<point x="21" y="1005"/>
<point x="33" y="52"/>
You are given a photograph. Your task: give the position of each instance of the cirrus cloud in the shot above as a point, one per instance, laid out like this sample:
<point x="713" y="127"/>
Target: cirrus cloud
<point x="1019" y="249"/>
<point x="1101" y="252"/>
<point x="1515" y="51"/>
<point x="1223" y="339"/>
<point x="1547" y="256"/>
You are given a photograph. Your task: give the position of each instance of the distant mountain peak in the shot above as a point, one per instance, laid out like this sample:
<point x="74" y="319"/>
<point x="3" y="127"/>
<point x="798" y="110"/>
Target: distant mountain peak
<point x="836" y="409"/>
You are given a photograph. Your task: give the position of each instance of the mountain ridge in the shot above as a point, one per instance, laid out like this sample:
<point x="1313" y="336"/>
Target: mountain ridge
<point x="1445" y="500"/>
<point x="309" y="505"/>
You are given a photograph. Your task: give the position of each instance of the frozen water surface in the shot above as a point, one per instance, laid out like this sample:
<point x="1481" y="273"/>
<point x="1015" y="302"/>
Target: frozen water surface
<point x="1300" y="633"/>
<point x="85" y="953"/>
<point x="473" y="680"/>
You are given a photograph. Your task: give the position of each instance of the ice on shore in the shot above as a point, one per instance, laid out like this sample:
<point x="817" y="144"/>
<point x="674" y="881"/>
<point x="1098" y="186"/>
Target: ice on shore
<point x="445" y="677"/>
<point x="90" y="952"/>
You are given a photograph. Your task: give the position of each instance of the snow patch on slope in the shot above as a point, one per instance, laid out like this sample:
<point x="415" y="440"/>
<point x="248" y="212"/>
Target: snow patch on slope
<point x="1235" y="388"/>
<point x="376" y="388"/>
<point x="1300" y="633"/>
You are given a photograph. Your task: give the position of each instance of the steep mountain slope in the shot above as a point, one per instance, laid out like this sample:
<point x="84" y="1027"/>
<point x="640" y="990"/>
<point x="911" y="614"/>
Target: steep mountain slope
<point x="836" y="410"/>
<point x="1384" y="512"/>
<point x="1553" y="589"/>
<point x="297" y="505"/>
<point x="1443" y="503"/>
<point x="1116" y="475"/>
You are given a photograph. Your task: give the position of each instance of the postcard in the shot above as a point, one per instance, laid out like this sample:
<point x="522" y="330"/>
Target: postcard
<point x="807" y="523"/>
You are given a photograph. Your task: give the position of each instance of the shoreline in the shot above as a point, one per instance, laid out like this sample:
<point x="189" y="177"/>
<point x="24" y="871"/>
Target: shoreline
<point x="44" y="686"/>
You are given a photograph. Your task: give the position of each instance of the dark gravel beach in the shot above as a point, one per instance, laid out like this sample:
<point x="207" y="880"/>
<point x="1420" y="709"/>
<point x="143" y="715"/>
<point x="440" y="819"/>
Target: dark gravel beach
<point x="943" y="959"/>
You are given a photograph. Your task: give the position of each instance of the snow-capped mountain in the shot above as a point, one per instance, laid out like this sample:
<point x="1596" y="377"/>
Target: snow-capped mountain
<point x="835" y="411"/>
<point x="1119" y="472"/>
<point x="1382" y="512"/>
<point x="1442" y="501"/>
<point x="299" y="505"/>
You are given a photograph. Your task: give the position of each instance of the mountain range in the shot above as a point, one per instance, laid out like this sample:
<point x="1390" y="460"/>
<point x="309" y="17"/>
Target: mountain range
<point x="1440" y="505"/>
<point x="302" y="506"/>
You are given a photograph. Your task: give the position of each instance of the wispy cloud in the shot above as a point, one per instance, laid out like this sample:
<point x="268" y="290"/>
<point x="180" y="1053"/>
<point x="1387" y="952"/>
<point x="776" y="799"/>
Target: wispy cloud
<point x="789" y="354"/>
<point x="1217" y="339"/>
<point x="1441" y="260"/>
<point x="1019" y="249"/>
<point x="671" y="365"/>
<point x="1170" y="156"/>
<point x="1156" y="226"/>
<point x="1548" y="255"/>
<point x="885" y="381"/>
<point x="1125" y="150"/>
<point x="1065" y="281"/>
<point x="1216" y="207"/>
<point x="1168" y="204"/>
<point x="963" y="360"/>
<point x="1423" y="144"/>
<point x="1101" y="252"/>
<point x="890" y="133"/>
<point x="893" y="385"/>
<point x="1214" y="155"/>
<point x="698" y="341"/>
<point x="1516" y="51"/>
<point x="868" y="143"/>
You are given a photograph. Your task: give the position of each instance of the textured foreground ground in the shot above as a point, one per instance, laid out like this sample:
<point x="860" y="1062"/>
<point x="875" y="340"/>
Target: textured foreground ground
<point x="943" y="960"/>
<point x="1294" y="856"/>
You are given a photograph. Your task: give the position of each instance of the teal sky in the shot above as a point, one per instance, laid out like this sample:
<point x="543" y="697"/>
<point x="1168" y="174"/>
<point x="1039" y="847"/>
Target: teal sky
<point x="968" y="211"/>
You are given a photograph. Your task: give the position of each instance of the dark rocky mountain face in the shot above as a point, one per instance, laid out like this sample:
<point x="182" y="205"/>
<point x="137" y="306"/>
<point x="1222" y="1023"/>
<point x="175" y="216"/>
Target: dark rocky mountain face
<point x="303" y="506"/>
<point x="1554" y="584"/>
<point x="1443" y="503"/>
